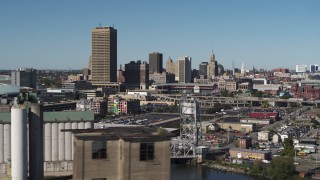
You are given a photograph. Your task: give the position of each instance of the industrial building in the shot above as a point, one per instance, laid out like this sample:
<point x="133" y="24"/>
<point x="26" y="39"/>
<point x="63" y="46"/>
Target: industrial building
<point x="242" y="127"/>
<point x="122" y="153"/>
<point x="58" y="146"/>
<point x="24" y="77"/>
<point x="239" y="153"/>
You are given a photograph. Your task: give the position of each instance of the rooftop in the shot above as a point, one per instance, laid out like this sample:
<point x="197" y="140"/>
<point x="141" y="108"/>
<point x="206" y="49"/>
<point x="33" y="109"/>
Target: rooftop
<point x="126" y="133"/>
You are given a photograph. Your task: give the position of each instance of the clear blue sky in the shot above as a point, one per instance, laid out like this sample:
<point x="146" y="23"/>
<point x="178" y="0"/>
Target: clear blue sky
<point x="57" y="33"/>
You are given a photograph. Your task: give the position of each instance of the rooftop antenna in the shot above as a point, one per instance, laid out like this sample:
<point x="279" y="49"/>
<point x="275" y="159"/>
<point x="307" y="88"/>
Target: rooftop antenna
<point x="100" y="24"/>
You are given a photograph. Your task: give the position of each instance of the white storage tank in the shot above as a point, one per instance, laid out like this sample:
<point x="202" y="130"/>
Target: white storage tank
<point x="7" y="142"/>
<point x="55" y="140"/>
<point x="47" y="142"/>
<point x="61" y="142"/>
<point x="19" y="147"/>
<point x="68" y="142"/>
<point x="1" y="144"/>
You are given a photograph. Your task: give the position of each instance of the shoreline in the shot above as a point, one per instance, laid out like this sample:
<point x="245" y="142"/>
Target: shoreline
<point x="229" y="169"/>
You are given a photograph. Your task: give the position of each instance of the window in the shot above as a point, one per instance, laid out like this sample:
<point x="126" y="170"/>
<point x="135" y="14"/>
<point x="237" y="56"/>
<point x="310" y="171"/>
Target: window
<point x="146" y="151"/>
<point x="99" y="150"/>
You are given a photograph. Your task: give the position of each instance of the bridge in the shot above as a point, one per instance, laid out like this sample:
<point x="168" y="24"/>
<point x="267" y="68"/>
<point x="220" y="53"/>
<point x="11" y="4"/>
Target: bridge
<point x="238" y="101"/>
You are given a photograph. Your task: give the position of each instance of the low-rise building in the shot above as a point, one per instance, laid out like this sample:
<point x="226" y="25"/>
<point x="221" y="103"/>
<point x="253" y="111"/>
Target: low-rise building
<point x="239" y="153"/>
<point x="122" y="153"/>
<point x="245" y="142"/>
<point x="242" y="127"/>
<point x="264" y="136"/>
<point x="257" y="121"/>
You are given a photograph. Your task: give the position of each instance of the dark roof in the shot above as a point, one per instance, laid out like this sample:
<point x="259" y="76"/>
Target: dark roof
<point x="135" y="134"/>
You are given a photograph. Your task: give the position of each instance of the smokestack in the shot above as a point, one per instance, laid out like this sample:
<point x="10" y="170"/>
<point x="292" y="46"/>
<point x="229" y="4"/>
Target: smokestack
<point x="36" y="142"/>
<point x="19" y="158"/>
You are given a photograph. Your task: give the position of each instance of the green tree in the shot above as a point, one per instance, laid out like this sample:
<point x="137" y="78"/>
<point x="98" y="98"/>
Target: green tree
<point x="258" y="168"/>
<point x="288" y="148"/>
<point x="280" y="168"/>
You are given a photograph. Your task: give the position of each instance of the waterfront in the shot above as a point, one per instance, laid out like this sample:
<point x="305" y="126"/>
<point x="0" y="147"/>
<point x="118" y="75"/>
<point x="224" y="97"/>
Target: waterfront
<point x="184" y="172"/>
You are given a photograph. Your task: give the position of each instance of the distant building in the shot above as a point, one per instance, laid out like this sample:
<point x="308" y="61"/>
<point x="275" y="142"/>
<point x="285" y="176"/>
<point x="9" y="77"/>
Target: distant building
<point x="24" y="77"/>
<point x="120" y="75"/>
<point x="203" y="70"/>
<point x="227" y="84"/>
<point x="239" y="153"/>
<point x="264" y="136"/>
<point x="104" y="55"/>
<point x="245" y="142"/>
<point x="242" y="127"/>
<point x="137" y="75"/>
<point x="281" y="70"/>
<point x="184" y="69"/>
<point x="98" y="106"/>
<point x="212" y="70"/>
<point x="155" y="62"/>
<point x="314" y="68"/>
<point x="301" y="68"/>
<point x="77" y="85"/>
<point x="162" y="78"/>
<point x="124" y="106"/>
<point x="170" y="66"/>
<point x="264" y="115"/>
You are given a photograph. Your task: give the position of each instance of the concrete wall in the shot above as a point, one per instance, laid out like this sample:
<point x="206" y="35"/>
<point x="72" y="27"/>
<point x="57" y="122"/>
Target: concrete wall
<point x="122" y="162"/>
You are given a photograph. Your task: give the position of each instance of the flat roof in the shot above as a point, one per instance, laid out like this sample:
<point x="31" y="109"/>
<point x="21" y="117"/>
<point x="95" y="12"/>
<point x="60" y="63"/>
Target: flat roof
<point x="136" y="134"/>
<point x="56" y="117"/>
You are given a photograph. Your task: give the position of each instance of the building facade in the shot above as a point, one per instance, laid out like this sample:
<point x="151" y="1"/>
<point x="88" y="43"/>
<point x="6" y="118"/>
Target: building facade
<point x="122" y="153"/>
<point x="104" y="55"/>
<point x="183" y="69"/>
<point x="155" y="62"/>
<point x="137" y="75"/>
<point x="24" y="77"/>
<point x="203" y="70"/>
<point x="170" y="66"/>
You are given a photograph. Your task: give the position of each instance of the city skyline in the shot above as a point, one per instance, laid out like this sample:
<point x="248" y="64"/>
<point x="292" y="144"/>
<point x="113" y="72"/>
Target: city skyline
<point x="57" y="35"/>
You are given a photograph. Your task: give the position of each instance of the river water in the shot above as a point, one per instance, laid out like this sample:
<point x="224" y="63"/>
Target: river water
<point x="185" y="172"/>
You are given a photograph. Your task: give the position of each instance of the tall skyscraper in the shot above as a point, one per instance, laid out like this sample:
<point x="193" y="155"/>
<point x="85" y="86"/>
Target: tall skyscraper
<point x="212" y="67"/>
<point x="170" y="66"/>
<point x="155" y="62"/>
<point x="203" y="66"/>
<point x="104" y="55"/>
<point x="24" y="77"/>
<point x="184" y="69"/>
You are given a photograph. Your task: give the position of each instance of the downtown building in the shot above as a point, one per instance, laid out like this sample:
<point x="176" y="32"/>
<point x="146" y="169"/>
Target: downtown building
<point x="155" y="62"/>
<point x="183" y="69"/>
<point x="137" y="75"/>
<point x="104" y="56"/>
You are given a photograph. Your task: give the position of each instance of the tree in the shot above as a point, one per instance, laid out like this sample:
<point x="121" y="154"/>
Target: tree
<point x="281" y="167"/>
<point x="288" y="148"/>
<point x="258" y="168"/>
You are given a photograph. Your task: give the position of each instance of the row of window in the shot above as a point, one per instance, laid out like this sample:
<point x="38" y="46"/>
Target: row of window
<point x="99" y="151"/>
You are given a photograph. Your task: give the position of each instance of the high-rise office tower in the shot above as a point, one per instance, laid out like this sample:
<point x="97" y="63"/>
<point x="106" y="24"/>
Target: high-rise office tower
<point x="155" y="62"/>
<point x="137" y="75"/>
<point x="24" y="77"/>
<point x="212" y="67"/>
<point x="203" y="66"/>
<point x="170" y="66"/>
<point x="104" y="55"/>
<point x="184" y="69"/>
